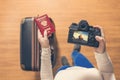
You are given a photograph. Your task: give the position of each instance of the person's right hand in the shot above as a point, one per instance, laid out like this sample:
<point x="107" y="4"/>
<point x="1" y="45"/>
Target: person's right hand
<point x="43" y="39"/>
<point x="102" y="44"/>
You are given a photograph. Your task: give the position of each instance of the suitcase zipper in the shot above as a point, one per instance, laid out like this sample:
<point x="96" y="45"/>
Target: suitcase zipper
<point x="33" y="46"/>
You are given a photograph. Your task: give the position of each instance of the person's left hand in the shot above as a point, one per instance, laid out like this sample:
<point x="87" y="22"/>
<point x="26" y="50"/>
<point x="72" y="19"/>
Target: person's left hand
<point x="43" y="39"/>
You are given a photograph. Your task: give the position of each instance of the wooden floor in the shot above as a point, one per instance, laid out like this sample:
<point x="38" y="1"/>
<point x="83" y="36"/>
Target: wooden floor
<point x="98" y="12"/>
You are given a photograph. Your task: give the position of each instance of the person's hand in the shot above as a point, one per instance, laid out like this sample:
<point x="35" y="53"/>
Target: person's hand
<point x="43" y="39"/>
<point x="102" y="45"/>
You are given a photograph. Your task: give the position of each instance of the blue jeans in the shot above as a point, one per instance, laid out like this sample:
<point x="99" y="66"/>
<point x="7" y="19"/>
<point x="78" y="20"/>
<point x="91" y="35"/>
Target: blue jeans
<point x="78" y="60"/>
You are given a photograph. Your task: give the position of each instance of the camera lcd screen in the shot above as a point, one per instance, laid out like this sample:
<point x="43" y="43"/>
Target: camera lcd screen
<point x="81" y="36"/>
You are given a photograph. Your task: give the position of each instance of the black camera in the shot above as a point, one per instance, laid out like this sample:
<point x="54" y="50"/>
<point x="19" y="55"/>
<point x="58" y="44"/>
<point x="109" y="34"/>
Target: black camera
<point x="83" y="34"/>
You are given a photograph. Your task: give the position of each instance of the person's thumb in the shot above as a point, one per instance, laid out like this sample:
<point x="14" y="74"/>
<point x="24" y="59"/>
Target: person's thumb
<point x="101" y="47"/>
<point x="99" y="39"/>
<point x="45" y="33"/>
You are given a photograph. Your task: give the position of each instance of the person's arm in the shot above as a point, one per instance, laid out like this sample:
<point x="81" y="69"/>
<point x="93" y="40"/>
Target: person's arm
<point x="103" y="60"/>
<point x="46" y="66"/>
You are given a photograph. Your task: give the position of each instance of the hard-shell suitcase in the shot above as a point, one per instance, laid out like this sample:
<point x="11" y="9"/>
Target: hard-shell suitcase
<point x="30" y="49"/>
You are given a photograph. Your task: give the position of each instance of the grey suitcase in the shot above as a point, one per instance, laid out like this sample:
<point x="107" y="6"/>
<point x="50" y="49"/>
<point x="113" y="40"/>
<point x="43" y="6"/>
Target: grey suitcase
<point x="30" y="49"/>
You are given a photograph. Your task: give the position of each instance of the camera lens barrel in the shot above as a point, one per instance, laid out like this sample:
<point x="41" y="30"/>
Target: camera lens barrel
<point x="83" y="25"/>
